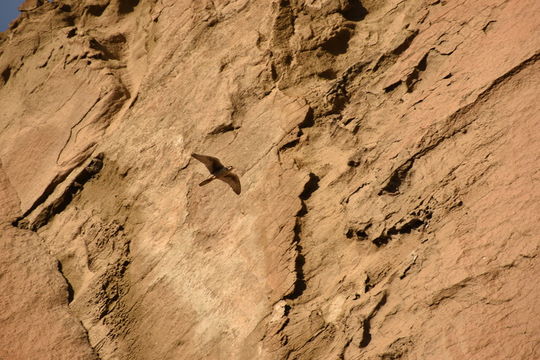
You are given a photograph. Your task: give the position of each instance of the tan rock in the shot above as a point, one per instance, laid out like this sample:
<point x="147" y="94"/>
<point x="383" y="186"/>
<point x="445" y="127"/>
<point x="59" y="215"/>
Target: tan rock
<point x="28" y="5"/>
<point x="388" y="154"/>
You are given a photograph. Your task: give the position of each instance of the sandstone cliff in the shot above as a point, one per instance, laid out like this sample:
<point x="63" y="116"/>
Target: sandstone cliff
<point x="389" y="157"/>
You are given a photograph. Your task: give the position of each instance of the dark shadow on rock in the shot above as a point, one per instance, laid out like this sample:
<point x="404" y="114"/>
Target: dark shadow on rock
<point x="354" y="11"/>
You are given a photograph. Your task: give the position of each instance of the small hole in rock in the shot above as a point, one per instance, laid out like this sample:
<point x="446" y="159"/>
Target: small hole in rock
<point x="96" y="10"/>
<point x="339" y="43"/>
<point x="354" y="11"/>
<point x="6" y="74"/>
<point x="328" y="74"/>
<point x="127" y="6"/>
<point x="361" y="234"/>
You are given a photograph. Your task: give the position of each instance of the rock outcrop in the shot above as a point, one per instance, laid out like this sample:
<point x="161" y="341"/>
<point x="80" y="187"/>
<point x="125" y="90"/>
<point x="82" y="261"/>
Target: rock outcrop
<point x="388" y="153"/>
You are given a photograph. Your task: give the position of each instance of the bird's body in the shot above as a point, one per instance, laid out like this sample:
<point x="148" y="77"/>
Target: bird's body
<point x="218" y="171"/>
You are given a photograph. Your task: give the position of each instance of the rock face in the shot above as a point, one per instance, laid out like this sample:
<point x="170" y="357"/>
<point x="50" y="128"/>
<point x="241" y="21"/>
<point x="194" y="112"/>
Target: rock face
<point x="389" y="156"/>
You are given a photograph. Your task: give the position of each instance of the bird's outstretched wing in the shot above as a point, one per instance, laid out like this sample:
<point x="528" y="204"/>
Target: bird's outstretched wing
<point x="212" y="164"/>
<point x="233" y="181"/>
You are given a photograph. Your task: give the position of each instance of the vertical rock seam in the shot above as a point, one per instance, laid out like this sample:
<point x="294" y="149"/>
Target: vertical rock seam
<point x="300" y="284"/>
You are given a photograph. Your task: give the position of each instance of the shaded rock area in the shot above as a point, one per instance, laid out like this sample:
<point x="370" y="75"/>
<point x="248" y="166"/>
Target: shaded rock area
<point x="389" y="156"/>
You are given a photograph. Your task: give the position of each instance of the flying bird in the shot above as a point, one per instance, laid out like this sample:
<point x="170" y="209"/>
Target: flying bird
<point x="218" y="171"/>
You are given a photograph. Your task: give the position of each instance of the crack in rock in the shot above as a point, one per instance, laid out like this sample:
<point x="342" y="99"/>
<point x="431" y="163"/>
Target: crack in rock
<point x="397" y="177"/>
<point x="366" y="332"/>
<point x="300" y="284"/>
<point x="70" y="291"/>
<point x="58" y="204"/>
<point x="403" y="227"/>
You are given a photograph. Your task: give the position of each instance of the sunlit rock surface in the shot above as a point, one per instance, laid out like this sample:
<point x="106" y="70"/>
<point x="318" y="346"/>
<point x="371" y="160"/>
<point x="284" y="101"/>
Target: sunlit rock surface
<point x="389" y="156"/>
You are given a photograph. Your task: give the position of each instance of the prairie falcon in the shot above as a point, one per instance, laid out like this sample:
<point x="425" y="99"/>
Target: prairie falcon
<point x="218" y="171"/>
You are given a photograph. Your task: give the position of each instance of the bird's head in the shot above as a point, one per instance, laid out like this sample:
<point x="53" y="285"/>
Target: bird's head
<point x="229" y="168"/>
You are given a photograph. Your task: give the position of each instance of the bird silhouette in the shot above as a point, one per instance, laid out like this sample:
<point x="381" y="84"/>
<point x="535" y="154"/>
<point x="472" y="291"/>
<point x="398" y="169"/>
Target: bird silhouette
<point x="219" y="171"/>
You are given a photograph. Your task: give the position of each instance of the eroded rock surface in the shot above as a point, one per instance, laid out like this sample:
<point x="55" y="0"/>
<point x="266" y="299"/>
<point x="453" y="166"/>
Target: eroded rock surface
<point x="388" y="153"/>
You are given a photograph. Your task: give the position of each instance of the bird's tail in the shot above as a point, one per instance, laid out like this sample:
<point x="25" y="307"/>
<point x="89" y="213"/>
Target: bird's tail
<point x="207" y="181"/>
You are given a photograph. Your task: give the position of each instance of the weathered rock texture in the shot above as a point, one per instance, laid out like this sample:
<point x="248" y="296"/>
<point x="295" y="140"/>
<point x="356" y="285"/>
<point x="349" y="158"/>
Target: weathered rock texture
<point x="389" y="155"/>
